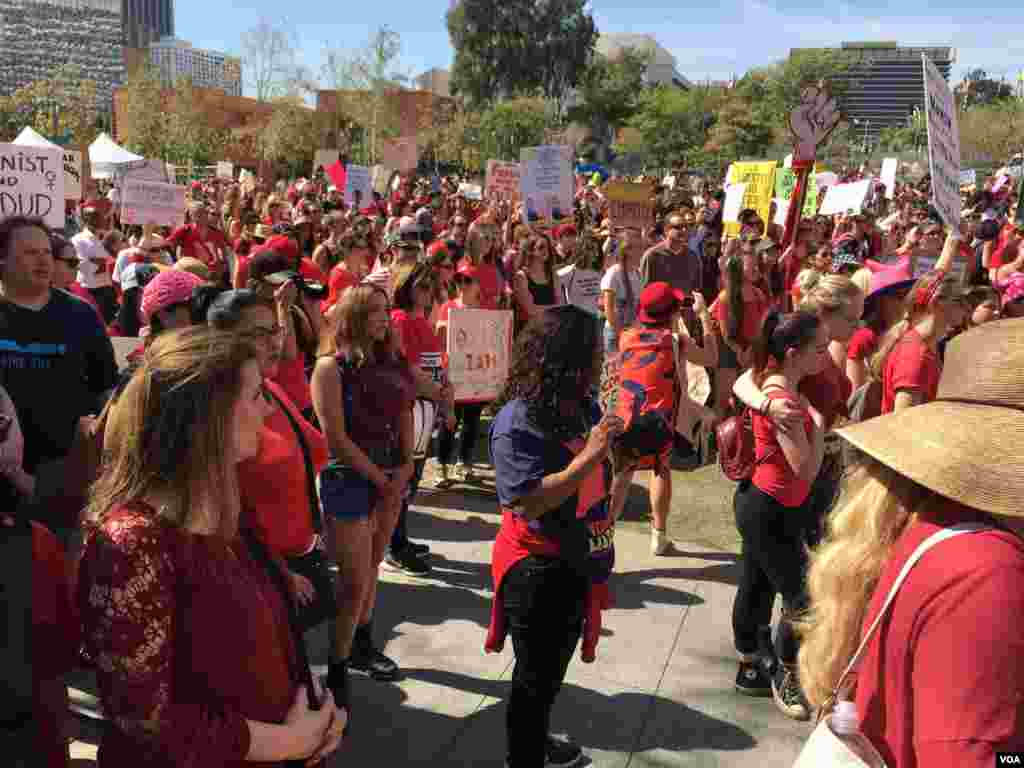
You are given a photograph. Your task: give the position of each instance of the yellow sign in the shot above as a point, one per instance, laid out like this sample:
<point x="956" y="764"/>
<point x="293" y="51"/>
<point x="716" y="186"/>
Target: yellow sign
<point x="631" y="205"/>
<point x="760" y="180"/>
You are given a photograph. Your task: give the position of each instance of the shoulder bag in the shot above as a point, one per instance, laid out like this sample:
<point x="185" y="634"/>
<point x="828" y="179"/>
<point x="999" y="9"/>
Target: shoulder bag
<point x="824" y="749"/>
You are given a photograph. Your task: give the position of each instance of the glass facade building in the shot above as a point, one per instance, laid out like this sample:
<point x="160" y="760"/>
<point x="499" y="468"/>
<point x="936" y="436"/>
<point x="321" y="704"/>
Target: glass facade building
<point x="175" y="58"/>
<point x="146" y="21"/>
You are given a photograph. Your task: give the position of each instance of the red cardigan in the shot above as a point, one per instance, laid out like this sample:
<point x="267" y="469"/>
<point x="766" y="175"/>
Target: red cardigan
<point x="190" y="639"/>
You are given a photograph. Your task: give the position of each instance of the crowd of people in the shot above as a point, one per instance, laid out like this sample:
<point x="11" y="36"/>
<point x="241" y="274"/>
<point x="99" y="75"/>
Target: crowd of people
<point x="273" y="425"/>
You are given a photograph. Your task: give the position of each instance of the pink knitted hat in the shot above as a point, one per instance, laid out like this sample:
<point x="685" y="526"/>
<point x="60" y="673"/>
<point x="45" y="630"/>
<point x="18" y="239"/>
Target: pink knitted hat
<point x="1013" y="288"/>
<point x="165" y="290"/>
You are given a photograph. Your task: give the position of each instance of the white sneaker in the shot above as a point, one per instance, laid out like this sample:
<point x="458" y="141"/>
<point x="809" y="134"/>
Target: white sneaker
<point x="660" y="542"/>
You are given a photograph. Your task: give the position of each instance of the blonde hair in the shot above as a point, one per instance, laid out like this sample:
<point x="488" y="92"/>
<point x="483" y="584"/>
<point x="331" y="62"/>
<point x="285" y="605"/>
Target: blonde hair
<point x="170" y="432"/>
<point x="821" y="293"/>
<point x="862" y="279"/>
<point x="877" y="506"/>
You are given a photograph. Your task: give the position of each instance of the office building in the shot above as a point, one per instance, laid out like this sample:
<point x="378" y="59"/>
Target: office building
<point x="175" y="59"/>
<point x="662" y="68"/>
<point x="38" y="36"/>
<point x="885" y="83"/>
<point x="146" y="21"/>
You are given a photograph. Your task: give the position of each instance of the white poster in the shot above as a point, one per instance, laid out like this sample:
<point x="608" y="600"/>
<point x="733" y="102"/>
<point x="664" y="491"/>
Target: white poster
<point x="479" y="344"/>
<point x="733" y="202"/>
<point x="943" y="144"/>
<point x="151" y="202"/>
<point x="889" y="167"/>
<point x="968" y="177"/>
<point x="781" y="211"/>
<point x="471" y="191"/>
<point x="357" y="179"/>
<point x="225" y="170"/>
<point x="502" y="181"/>
<point x="547" y="183"/>
<point x="845" y="197"/>
<point x="72" y="175"/>
<point x="32" y="183"/>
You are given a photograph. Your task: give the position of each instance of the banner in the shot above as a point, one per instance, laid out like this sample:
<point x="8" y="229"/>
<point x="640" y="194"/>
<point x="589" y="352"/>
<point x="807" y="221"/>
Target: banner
<point x="150" y="202"/>
<point x="630" y="205"/>
<point x="502" y="181"/>
<point x="889" y="167"/>
<point x="357" y="179"/>
<point x="32" y="183"/>
<point x="225" y="170"/>
<point x="843" y="198"/>
<point x="72" y="175"/>
<point x="785" y="180"/>
<point x="943" y="144"/>
<point x="759" y="187"/>
<point x="324" y="157"/>
<point x="547" y="183"/>
<point x="479" y="343"/>
<point x="401" y="154"/>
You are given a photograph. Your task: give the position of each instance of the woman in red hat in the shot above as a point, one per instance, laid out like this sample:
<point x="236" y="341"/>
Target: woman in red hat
<point x="883" y="308"/>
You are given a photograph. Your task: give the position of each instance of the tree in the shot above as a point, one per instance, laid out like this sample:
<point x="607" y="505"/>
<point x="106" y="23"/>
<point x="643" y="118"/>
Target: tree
<point x="979" y="90"/>
<point x="62" y="106"/>
<point x="992" y="133"/>
<point x="507" y="128"/>
<point x="506" y="48"/>
<point x="609" y="91"/>
<point x="905" y="138"/>
<point x="270" y="62"/>
<point x="450" y="134"/>
<point x="292" y="135"/>
<point x="189" y="135"/>
<point x="741" y="129"/>
<point x="145" y="116"/>
<point x="670" y="124"/>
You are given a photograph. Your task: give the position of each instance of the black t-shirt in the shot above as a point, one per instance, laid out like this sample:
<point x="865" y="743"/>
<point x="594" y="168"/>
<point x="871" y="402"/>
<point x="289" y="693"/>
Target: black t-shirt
<point x="56" y="363"/>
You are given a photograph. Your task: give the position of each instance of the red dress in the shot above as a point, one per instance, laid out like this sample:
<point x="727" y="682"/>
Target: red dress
<point x="190" y="638"/>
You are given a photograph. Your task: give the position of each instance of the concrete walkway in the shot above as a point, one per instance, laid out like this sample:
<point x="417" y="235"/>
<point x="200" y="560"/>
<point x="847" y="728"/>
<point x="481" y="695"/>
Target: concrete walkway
<point x="659" y="694"/>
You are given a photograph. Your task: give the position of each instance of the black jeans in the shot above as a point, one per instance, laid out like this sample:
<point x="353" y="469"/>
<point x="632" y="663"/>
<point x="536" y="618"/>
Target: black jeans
<point x="400" y="536"/>
<point x="468" y="414"/>
<point x="774" y="561"/>
<point x="543" y="603"/>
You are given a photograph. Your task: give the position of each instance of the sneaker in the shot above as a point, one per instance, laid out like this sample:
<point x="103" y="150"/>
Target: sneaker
<point x="661" y="544"/>
<point x="789" y="698"/>
<point x="406" y="561"/>
<point x="562" y="753"/>
<point x="753" y="679"/>
<point x="374" y="663"/>
<point x="443" y="479"/>
<point x="421" y="550"/>
<point x="459" y="473"/>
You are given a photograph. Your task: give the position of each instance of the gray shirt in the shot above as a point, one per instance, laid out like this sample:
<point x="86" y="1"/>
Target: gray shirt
<point x="660" y="265"/>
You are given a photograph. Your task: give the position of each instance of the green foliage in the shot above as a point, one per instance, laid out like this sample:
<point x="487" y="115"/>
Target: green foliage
<point x="510" y="126"/>
<point x="518" y="47"/>
<point x="292" y="135"/>
<point x="979" y="90"/>
<point x="145" y="117"/>
<point x="610" y="89"/>
<point x="775" y="90"/>
<point x="671" y="124"/>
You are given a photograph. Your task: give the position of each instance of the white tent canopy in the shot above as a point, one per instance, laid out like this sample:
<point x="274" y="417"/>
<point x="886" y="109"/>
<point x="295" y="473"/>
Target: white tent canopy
<point x="29" y="138"/>
<point x="108" y="159"/>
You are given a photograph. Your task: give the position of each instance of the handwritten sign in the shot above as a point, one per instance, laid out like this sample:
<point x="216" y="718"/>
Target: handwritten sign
<point x="785" y="181"/>
<point x="401" y="154"/>
<point x="225" y="170"/>
<point x="889" y="167"/>
<point x="733" y="202"/>
<point x="151" y="202"/>
<point x="631" y="205"/>
<point x="479" y="343"/>
<point x="759" y="188"/>
<point x="72" y="175"/>
<point x="502" y="181"/>
<point x="358" y="184"/>
<point x="943" y="144"/>
<point x="547" y="183"/>
<point x="845" y="197"/>
<point x="32" y="183"/>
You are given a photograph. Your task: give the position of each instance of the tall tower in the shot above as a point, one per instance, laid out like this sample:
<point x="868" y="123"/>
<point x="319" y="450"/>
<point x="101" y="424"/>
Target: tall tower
<point x="146" y="21"/>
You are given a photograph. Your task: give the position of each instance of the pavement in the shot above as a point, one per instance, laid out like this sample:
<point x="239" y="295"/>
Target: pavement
<point x="659" y="694"/>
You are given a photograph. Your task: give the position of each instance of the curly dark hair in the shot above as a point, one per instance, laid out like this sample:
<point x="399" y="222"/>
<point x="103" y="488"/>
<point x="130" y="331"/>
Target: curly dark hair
<point x="553" y="367"/>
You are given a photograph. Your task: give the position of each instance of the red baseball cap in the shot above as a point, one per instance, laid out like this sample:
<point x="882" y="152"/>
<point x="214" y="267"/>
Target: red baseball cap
<point x="657" y="301"/>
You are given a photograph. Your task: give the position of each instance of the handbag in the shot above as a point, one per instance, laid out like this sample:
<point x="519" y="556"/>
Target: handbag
<point x="824" y="748"/>
<point x="737" y="455"/>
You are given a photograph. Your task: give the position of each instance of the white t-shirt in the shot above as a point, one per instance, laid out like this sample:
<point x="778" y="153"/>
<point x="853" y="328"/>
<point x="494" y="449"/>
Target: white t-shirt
<point x="92" y="271"/>
<point x="614" y="280"/>
<point x="126" y="258"/>
<point x="582" y="287"/>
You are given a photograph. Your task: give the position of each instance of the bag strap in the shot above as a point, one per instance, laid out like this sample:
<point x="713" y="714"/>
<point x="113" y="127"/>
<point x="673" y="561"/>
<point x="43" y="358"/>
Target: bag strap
<point x="314" y="504"/>
<point x="924" y="546"/>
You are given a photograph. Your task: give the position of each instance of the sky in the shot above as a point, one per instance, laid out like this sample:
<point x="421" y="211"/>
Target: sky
<point x="708" y="42"/>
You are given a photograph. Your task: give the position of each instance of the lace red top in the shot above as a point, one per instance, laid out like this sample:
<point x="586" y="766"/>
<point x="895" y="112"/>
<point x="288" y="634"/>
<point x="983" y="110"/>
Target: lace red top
<point x="189" y="637"/>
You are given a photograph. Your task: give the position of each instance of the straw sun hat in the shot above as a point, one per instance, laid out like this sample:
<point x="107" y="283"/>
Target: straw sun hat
<point x="966" y="444"/>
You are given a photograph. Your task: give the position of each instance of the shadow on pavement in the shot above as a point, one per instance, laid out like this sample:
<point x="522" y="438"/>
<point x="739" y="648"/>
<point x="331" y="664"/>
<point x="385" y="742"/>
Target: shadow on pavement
<point x="423" y="525"/>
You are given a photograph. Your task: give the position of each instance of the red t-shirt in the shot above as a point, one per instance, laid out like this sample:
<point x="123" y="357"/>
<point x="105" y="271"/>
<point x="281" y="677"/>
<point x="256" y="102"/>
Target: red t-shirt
<point x="197" y="247"/>
<point x="490" y="284"/>
<point x="941" y="682"/>
<point x="774" y="476"/>
<point x="339" y="280"/>
<point x="311" y="272"/>
<point x="275" y="496"/>
<point x="863" y="344"/>
<point x="291" y="377"/>
<point x="420" y="345"/>
<point x="754" y="311"/>
<point x="828" y="391"/>
<point x="1003" y="253"/>
<point x="910" y="365"/>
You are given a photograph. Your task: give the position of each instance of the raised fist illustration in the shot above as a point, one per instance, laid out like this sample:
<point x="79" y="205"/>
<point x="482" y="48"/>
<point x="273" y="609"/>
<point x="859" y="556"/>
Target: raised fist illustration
<point x="814" y="118"/>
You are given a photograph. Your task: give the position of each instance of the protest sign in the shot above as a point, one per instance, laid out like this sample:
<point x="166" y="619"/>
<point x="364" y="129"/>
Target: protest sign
<point x="781" y="210"/>
<point x="845" y="197"/>
<point x="968" y="177"/>
<point x="401" y="153"/>
<point x="380" y="176"/>
<point x="479" y="341"/>
<point x="357" y="179"/>
<point x="631" y="205"/>
<point x="889" y="167"/>
<point x="502" y="181"/>
<point x="734" y="194"/>
<point x="225" y="170"/>
<point x="325" y="157"/>
<point x="546" y="183"/>
<point x="32" y="183"/>
<point x="943" y="144"/>
<point x="72" y="175"/>
<point x="785" y="180"/>
<point x="759" y="189"/>
<point x="151" y="202"/>
<point x="471" y="191"/>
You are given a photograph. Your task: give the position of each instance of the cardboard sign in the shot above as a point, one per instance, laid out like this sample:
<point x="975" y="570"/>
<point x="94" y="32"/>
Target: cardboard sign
<point x="734" y="194"/>
<point x="631" y="205"/>
<point x="547" y="183"/>
<point x="479" y="345"/>
<point x="401" y="154"/>
<point x="32" y="183"/>
<point x="502" y="181"/>
<point x="785" y="181"/>
<point x="759" y="189"/>
<point x="357" y="179"/>
<point x="151" y="202"/>
<point x="943" y="144"/>
<point x="72" y="175"/>
<point x="889" y="167"/>
<point x="846" y="197"/>
<point x="225" y="170"/>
